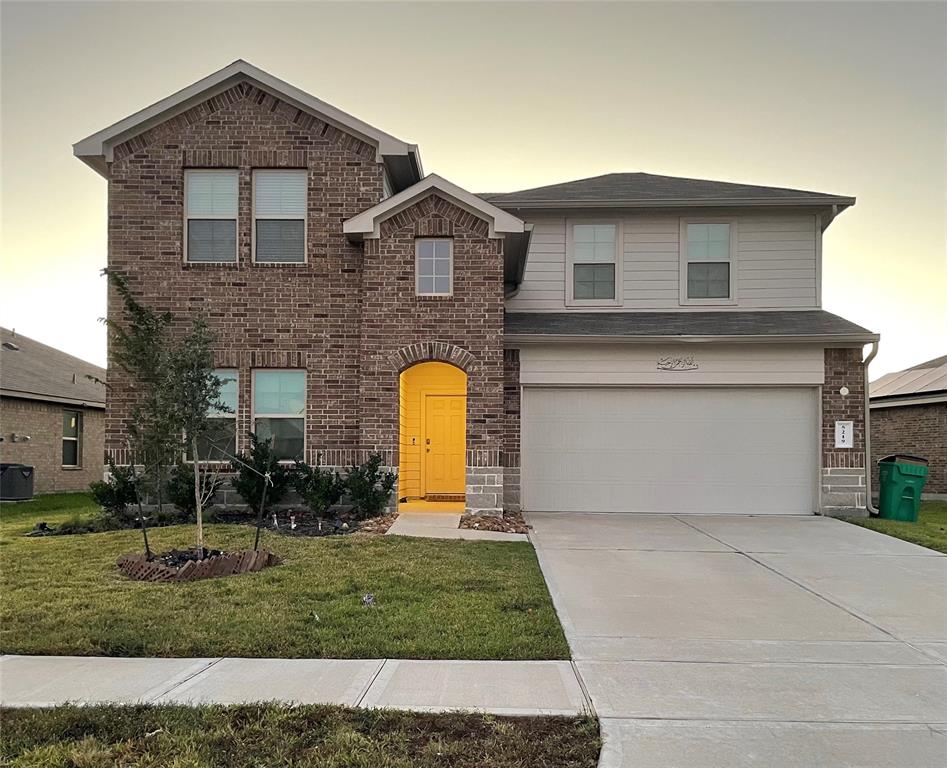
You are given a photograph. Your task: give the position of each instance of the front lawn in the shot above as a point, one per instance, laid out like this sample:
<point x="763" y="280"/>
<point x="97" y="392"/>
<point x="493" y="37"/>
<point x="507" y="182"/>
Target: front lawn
<point x="249" y="736"/>
<point x="929" y="531"/>
<point x="434" y="599"/>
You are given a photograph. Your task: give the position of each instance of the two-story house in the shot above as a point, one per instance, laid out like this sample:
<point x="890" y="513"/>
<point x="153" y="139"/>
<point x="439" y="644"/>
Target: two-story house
<point x="623" y="343"/>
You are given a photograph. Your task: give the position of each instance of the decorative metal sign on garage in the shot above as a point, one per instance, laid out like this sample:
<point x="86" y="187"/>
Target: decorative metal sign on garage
<point x="677" y="363"/>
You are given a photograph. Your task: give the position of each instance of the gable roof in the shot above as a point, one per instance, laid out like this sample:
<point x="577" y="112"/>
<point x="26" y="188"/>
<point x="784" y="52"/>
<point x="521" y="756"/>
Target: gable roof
<point x="366" y="225"/>
<point x="34" y="371"/>
<point x="926" y="382"/>
<point x="757" y="325"/>
<point x="514" y="231"/>
<point x="650" y="190"/>
<point x="402" y="159"/>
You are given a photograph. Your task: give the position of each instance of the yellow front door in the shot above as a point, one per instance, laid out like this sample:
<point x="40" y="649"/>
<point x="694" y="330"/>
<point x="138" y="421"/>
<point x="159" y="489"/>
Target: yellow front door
<point x="445" y="439"/>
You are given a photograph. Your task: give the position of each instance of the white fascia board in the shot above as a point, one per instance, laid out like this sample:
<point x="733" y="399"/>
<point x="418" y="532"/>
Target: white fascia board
<point x="97" y="148"/>
<point x="367" y="225"/>
<point x="898" y="401"/>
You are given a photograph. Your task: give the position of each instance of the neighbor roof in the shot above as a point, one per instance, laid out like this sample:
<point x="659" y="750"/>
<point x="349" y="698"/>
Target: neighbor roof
<point x="403" y="160"/>
<point x="780" y="325"/>
<point x="35" y="371"/>
<point x="650" y="190"/>
<point x="925" y="382"/>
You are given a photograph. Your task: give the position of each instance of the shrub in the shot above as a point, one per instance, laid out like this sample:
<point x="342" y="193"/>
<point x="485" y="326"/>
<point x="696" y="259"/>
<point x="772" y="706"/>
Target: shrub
<point x="250" y="468"/>
<point x="116" y="494"/>
<point x="181" y="488"/>
<point x="369" y="488"/>
<point x="319" y="488"/>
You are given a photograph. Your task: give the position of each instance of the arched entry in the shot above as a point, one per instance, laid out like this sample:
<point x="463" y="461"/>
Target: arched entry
<point x="433" y="432"/>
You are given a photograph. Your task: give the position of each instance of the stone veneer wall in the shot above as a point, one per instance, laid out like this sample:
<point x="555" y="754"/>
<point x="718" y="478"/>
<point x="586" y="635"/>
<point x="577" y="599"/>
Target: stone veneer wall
<point x="844" y="489"/>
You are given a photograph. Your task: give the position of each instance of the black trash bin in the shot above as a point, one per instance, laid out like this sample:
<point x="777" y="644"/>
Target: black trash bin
<point x="16" y="482"/>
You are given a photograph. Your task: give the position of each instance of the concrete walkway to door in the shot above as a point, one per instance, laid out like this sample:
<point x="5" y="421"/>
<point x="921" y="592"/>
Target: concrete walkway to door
<point x="752" y="641"/>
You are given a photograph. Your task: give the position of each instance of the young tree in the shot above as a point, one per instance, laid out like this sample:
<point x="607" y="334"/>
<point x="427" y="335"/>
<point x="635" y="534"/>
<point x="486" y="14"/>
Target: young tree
<point x="196" y="392"/>
<point x="140" y="346"/>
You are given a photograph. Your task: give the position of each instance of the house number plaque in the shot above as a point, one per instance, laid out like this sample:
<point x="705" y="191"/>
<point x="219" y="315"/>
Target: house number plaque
<point x="677" y="363"/>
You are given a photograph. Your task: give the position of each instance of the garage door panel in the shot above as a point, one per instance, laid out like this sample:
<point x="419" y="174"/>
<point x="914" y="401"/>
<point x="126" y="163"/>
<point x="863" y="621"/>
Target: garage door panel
<point x="695" y="450"/>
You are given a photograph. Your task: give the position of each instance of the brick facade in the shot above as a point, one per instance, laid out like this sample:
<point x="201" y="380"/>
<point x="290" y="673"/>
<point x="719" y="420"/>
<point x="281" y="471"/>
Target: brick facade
<point x="264" y="315"/>
<point x="465" y="329"/>
<point x="345" y="316"/>
<point x="43" y="422"/>
<point x="920" y="430"/>
<point x="843" y="469"/>
<point x="511" y="429"/>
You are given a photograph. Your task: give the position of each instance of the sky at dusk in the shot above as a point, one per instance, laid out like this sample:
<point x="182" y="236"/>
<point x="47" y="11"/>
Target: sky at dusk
<point x="847" y="98"/>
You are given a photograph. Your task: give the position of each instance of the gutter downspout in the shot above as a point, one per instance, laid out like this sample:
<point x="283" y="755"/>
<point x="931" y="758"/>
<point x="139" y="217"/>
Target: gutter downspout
<point x="867" y="360"/>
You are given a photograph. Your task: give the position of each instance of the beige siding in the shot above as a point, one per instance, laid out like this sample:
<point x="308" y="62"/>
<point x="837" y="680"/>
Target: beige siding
<point x="615" y="364"/>
<point x="776" y="264"/>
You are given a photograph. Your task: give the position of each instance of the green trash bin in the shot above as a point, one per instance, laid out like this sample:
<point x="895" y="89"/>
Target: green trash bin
<point x="902" y="479"/>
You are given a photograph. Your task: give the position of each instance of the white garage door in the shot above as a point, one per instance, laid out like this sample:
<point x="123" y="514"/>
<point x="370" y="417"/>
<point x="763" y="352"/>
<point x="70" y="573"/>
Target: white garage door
<point x="748" y="450"/>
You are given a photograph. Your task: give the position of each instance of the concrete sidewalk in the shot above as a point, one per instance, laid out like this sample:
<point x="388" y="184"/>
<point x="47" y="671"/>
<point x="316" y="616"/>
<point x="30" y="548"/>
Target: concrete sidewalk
<point x="499" y="687"/>
<point x="444" y="525"/>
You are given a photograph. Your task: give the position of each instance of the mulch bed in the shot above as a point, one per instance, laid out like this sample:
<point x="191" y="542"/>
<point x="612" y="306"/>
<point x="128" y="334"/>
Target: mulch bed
<point x="305" y="523"/>
<point x="511" y="522"/>
<point x="185" y="565"/>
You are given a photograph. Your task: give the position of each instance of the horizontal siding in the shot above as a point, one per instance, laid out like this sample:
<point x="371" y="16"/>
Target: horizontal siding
<point x="776" y="264"/>
<point x="609" y="364"/>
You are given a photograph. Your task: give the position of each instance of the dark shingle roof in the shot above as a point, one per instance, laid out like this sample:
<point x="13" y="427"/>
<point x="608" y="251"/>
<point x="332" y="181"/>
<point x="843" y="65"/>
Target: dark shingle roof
<point x="36" y="371"/>
<point x="651" y="190"/>
<point x="815" y="323"/>
<point x="922" y="379"/>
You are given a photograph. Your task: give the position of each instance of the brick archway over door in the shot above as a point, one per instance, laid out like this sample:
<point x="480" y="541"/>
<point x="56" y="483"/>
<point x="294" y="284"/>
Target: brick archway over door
<point x="433" y="351"/>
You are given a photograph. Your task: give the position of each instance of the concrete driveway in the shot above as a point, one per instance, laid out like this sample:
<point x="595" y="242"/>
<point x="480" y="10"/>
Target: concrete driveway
<point x="752" y="641"/>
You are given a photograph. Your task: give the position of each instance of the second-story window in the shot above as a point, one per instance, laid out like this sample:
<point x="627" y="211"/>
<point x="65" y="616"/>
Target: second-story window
<point x="434" y="265"/>
<point x="707" y="254"/>
<point x="211" y="215"/>
<point x="279" y="216"/>
<point x="594" y="261"/>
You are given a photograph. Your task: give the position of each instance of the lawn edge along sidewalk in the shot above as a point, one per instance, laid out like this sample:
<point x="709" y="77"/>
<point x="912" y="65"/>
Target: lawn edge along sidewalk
<point x="496" y="687"/>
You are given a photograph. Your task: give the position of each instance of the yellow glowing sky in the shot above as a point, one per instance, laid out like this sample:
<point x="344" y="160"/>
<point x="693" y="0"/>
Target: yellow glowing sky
<point x="846" y="98"/>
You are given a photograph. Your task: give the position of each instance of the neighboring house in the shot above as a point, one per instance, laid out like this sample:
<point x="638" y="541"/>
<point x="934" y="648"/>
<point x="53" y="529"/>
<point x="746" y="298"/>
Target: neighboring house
<point x="624" y="343"/>
<point x="909" y="415"/>
<point x="52" y="414"/>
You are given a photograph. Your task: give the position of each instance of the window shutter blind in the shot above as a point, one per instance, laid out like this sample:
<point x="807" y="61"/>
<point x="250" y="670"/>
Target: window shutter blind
<point x="212" y="194"/>
<point x="280" y="193"/>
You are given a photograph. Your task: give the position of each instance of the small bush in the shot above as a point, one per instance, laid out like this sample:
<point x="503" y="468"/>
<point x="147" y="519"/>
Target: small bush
<point x="319" y="488"/>
<point x="369" y="488"/>
<point x="249" y="481"/>
<point x="117" y="493"/>
<point x="180" y="488"/>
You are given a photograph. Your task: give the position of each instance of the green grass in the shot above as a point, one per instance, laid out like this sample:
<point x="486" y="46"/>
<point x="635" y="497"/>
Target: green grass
<point x="251" y="736"/>
<point x="929" y="531"/>
<point x="63" y="595"/>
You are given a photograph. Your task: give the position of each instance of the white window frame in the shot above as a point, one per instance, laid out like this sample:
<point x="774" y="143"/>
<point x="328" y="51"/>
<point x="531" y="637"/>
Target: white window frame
<point x="570" y="299"/>
<point x="254" y="415"/>
<point x="224" y="415"/>
<point x="280" y="217"/>
<point x="236" y="217"/>
<point x="77" y="439"/>
<point x="723" y="302"/>
<point x="417" y="265"/>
